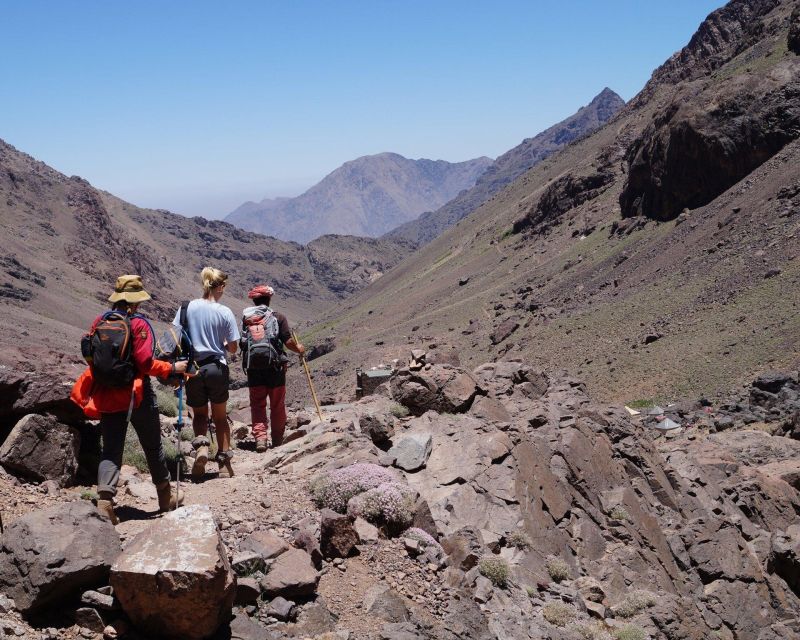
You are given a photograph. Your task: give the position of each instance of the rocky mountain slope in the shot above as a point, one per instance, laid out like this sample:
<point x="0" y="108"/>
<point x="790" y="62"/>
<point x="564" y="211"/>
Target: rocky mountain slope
<point x="619" y="258"/>
<point x="509" y="166"/>
<point x="364" y="197"/>
<point x="490" y="504"/>
<point x="66" y="242"/>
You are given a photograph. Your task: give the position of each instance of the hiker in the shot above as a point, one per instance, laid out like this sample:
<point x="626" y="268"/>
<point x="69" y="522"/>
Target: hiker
<point x="214" y="333"/>
<point x="265" y="334"/>
<point x="116" y="388"/>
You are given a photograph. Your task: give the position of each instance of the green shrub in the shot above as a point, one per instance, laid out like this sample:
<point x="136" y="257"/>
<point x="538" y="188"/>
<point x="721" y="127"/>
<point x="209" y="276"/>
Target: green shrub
<point x="399" y="410"/>
<point x="132" y="453"/>
<point x="642" y="404"/>
<point x="557" y="569"/>
<point x="633" y="603"/>
<point x="530" y="591"/>
<point x="629" y="632"/>
<point x="171" y="452"/>
<point x="619" y="513"/>
<point x="187" y="434"/>
<point x="88" y="494"/>
<point x="519" y="539"/>
<point x="495" y="569"/>
<point x="559" y="614"/>
<point x="167" y="402"/>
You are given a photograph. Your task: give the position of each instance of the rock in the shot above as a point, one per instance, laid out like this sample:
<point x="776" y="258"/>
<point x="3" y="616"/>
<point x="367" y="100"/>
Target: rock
<point x="590" y="589"/>
<point x="42" y="448"/>
<point x="89" y="618"/>
<point x="338" y="538"/>
<point x="793" y="38"/>
<point x="246" y="563"/>
<point x="773" y="381"/>
<point x="56" y="553"/>
<point x="267" y="544"/>
<point x="103" y="601"/>
<point x="320" y="349"/>
<point x="143" y="491"/>
<point x="379" y="427"/>
<point x="785" y="557"/>
<point x="306" y="539"/>
<point x="465" y="548"/>
<point x="367" y="533"/>
<point x="244" y="628"/>
<point x="595" y="609"/>
<point x="505" y="329"/>
<point x="281" y="609"/>
<point x="412" y="451"/>
<point x="174" y="579"/>
<point x="6" y="605"/>
<point x="386" y="604"/>
<point x="24" y="393"/>
<point x="440" y="387"/>
<point x="292" y="574"/>
<point x="247" y="591"/>
<point x="483" y="589"/>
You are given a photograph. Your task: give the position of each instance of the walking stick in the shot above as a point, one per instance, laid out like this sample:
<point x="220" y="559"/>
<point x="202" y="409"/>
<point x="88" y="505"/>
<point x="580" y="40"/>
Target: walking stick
<point x="308" y="375"/>
<point x="179" y="427"/>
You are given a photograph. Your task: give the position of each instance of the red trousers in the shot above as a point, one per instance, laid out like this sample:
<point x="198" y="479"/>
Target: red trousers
<point x="277" y="412"/>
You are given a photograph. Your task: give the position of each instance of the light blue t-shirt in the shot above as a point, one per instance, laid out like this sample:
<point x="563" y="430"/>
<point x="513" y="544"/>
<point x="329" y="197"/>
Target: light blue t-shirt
<point x="211" y="325"/>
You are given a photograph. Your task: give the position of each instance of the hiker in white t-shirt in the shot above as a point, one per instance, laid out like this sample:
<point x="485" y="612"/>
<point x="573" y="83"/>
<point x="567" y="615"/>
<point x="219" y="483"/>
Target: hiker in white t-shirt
<point x="215" y="334"/>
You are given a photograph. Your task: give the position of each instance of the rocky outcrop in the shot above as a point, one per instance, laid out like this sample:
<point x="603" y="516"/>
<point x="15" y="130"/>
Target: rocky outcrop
<point x="708" y="138"/>
<point x="55" y="554"/>
<point x="41" y="448"/>
<point x="435" y="387"/>
<point x="174" y="578"/>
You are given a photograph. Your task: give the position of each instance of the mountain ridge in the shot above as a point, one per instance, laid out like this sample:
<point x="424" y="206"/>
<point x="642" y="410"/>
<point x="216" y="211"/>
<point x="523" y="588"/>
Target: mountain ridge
<point x="365" y="196"/>
<point x="510" y="165"/>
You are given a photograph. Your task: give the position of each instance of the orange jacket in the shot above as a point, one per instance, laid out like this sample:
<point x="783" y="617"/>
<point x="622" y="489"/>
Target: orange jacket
<point x="95" y="398"/>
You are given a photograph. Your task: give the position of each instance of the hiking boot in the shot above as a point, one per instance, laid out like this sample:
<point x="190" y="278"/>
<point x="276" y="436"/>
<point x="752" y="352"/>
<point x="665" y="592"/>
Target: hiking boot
<point x="105" y="505"/>
<point x="261" y="445"/>
<point x="200" y="443"/>
<point x="168" y="501"/>
<point x="223" y="459"/>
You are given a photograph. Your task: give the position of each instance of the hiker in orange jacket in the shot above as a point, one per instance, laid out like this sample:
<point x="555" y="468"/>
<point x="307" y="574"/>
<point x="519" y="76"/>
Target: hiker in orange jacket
<point x="136" y="402"/>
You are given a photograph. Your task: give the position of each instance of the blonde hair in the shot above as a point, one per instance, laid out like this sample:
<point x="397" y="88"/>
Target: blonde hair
<point x="211" y="279"/>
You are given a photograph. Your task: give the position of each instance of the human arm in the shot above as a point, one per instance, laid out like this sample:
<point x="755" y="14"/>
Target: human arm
<point x="231" y="338"/>
<point x="294" y="345"/>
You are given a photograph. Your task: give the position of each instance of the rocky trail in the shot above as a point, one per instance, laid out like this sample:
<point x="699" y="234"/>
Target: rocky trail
<point x="497" y="503"/>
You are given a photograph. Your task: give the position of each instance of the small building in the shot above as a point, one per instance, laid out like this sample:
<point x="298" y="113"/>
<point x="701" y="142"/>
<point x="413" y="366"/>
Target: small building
<point x="369" y="380"/>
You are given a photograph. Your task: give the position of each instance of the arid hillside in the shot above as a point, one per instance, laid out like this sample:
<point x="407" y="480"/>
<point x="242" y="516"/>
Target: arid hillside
<point x="620" y="259"/>
<point x="65" y="243"/>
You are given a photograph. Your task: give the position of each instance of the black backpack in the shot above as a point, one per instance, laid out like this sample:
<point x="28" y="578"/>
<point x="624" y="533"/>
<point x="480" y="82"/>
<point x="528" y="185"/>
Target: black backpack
<point x="176" y="344"/>
<point x="108" y="349"/>
<point x="260" y="344"/>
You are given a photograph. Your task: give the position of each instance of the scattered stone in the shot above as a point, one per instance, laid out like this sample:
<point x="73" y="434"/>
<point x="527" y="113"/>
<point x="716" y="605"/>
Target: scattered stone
<point x="42" y="448"/>
<point x="99" y="600"/>
<point x="367" y="533"/>
<point x="412" y="451"/>
<point x="383" y="602"/>
<point x="174" y="579"/>
<point x="89" y="618"/>
<point x="483" y="589"/>
<point x="281" y="609"/>
<point x="53" y="554"/>
<point x="266" y="544"/>
<point x="506" y="328"/>
<point x="247" y="591"/>
<point x="292" y="574"/>
<point x="338" y="538"/>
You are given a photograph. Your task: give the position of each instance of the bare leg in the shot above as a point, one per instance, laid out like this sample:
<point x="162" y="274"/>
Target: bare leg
<point x="220" y="417"/>
<point x="200" y="420"/>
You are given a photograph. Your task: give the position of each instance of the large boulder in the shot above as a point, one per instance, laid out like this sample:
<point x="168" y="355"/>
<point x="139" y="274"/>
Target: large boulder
<point x="22" y="393"/>
<point x="785" y="556"/>
<point x="411" y="452"/>
<point x="56" y="553"/>
<point x="439" y="387"/>
<point x="42" y="448"/>
<point x="174" y="579"/>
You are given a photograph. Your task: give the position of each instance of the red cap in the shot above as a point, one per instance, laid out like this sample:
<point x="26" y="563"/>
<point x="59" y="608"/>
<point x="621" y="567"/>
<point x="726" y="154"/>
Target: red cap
<point x="261" y="291"/>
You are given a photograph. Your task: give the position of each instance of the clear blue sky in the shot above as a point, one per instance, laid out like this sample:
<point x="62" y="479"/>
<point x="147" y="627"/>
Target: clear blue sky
<point x="197" y="106"/>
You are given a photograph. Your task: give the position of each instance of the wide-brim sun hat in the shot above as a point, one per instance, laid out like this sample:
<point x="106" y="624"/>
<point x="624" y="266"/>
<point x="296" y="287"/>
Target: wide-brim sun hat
<point x="130" y="289"/>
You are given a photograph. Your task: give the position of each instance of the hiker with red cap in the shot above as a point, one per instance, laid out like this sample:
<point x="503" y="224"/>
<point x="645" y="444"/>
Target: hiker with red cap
<point x="116" y="388"/>
<point x="265" y="333"/>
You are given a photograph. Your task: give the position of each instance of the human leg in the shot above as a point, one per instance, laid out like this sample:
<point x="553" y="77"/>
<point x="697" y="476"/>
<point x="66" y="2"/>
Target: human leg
<point x="258" y="416"/>
<point x="113" y="427"/>
<point x="277" y="412"/>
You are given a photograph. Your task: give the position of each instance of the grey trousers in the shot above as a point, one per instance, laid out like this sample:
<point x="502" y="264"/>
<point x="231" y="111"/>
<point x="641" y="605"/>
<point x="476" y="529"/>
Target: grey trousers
<point x="114" y="427"/>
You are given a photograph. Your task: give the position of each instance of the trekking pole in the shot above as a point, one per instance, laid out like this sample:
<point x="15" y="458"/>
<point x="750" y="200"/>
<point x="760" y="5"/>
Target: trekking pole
<point x="179" y="427"/>
<point x="308" y="375"/>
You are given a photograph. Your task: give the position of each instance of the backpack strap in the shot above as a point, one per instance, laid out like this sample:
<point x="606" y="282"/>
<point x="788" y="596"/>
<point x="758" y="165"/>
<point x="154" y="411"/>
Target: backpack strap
<point x="183" y="317"/>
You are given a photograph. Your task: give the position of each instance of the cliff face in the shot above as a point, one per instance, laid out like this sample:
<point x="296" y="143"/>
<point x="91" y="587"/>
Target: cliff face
<point x="364" y="197"/>
<point x="509" y="166"/>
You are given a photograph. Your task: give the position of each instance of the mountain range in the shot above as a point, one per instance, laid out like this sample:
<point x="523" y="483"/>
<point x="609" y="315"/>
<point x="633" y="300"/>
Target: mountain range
<point x="367" y="196"/>
<point x="654" y="258"/>
<point x="509" y="166"/>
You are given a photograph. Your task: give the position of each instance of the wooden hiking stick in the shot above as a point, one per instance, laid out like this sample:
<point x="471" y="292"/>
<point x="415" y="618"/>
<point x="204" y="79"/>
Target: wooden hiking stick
<point x="308" y="375"/>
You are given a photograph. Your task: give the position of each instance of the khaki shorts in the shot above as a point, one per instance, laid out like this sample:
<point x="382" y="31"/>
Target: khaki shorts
<point x="209" y="385"/>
